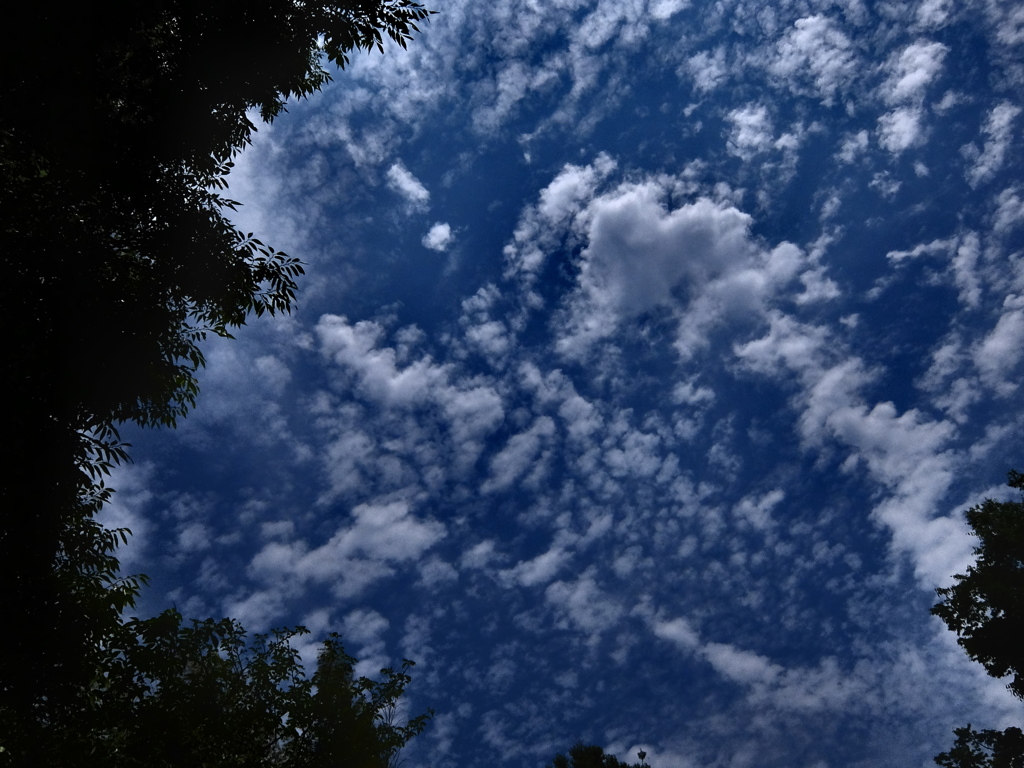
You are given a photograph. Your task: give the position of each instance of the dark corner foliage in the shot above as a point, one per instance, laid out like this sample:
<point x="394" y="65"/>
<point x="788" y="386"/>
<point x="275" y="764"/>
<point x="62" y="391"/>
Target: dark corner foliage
<point x="118" y="125"/>
<point x="985" y="607"/>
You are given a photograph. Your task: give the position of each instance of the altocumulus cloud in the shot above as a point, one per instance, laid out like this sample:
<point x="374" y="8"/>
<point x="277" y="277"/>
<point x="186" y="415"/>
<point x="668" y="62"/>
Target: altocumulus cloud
<point x="439" y="237"/>
<point x="672" y="446"/>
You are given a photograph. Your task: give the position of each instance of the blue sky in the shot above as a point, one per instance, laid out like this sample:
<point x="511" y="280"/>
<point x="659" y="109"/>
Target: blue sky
<point x="648" y="356"/>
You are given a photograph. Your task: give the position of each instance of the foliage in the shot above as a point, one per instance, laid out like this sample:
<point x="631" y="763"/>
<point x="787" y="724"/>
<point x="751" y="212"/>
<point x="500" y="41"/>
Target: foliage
<point x="118" y="124"/>
<point x="985" y="607"/>
<point x="65" y="603"/>
<point x="170" y="694"/>
<point x="985" y="749"/>
<point x="119" y="255"/>
<point x="588" y="756"/>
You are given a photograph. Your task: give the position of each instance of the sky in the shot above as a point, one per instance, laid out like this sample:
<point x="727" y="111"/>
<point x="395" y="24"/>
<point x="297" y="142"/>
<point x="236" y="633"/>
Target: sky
<point x="648" y="356"/>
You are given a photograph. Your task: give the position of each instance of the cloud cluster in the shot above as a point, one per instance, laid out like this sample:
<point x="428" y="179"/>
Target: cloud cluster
<point x="370" y="547"/>
<point x="816" y="49"/>
<point x="687" y="442"/>
<point x="909" y="73"/>
<point x="648" y="246"/>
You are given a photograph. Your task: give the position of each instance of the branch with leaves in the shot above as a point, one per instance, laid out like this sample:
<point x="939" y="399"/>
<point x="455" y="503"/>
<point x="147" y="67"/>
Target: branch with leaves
<point x="985" y="607"/>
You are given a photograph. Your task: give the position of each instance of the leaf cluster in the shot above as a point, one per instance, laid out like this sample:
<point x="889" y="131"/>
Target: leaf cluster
<point x="118" y="125"/>
<point x="170" y="693"/>
<point x="62" y="586"/>
<point x="985" y="607"/>
<point x="588" y="756"/>
<point x="985" y="749"/>
<point x="115" y="147"/>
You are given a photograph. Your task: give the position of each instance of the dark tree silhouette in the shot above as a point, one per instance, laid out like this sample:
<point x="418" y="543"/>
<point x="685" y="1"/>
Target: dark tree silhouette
<point x="118" y="123"/>
<point x="168" y="694"/>
<point x="589" y="756"/>
<point x="985" y="607"/>
<point x="985" y="749"/>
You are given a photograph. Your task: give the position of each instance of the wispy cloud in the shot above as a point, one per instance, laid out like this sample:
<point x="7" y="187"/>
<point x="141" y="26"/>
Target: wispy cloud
<point x="408" y="186"/>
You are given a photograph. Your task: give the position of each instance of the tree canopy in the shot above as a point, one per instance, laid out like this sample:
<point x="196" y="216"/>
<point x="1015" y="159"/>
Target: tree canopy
<point x="589" y="756"/>
<point x="114" y="149"/>
<point x="985" y="607"/>
<point x="118" y="125"/>
<point x="169" y="693"/>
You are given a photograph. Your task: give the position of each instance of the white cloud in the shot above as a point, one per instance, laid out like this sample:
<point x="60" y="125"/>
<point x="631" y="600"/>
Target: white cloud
<point x="365" y="550"/>
<point x="408" y="186"/>
<point x="479" y="555"/>
<point x="492" y="338"/>
<point x="998" y="132"/>
<point x="469" y="407"/>
<point x="243" y="382"/>
<point x="256" y="610"/>
<point x="130" y="508"/>
<point x="815" y="47"/>
<point x="541" y="226"/>
<point x="510" y="87"/>
<point x="690" y="393"/>
<point x="519" y="455"/>
<point x="740" y="666"/>
<point x="999" y="353"/>
<point x="848" y="686"/>
<point x="752" y="132"/>
<point x="581" y="417"/>
<point x="473" y="413"/>
<point x="365" y="627"/>
<point x="274" y="373"/>
<point x="679" y="632"/>
<point x="933" y="14"/>
<point x="966" y="273"/>
<point x="911" y="71"/>
<point x="540" y="570"/>
<point x="666" y="9"/>
<point x="805" y="689"/>
<point x="436" y="573"/>
<point x="381" y="376"/>
<point x="696" y="261"/>
<point x="1009" y="211"/>
<point x="907" y="454"/>
<point x="707" y="68"/>
<point x="854" y="145"/>
<point x="271" y="195"/>
<point x="886" y="185"/>
<point x="194" y="537"/>
<point x="962" y="255"/>
<point x="439" y="237"/>
<point x="901" y="129"/>
<point x="757" y="511"/>
<point x="639" y="254"/>
<point x="363" y="631"/>
<point x="1007" y="22"/>
<point x="583" y="604"/>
